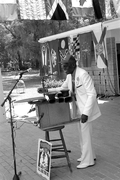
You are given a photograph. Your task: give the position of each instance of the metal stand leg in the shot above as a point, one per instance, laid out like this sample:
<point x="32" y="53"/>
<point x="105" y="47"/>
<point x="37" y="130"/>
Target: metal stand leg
<point x="16" y="177"/>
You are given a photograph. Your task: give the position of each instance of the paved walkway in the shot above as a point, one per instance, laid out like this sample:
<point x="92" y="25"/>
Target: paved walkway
<point x="106" y="138"/>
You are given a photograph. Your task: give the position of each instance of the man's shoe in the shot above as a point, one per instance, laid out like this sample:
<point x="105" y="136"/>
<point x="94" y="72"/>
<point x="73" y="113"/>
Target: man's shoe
<point x="80" y="159"/>
<point x="82" y="166"/>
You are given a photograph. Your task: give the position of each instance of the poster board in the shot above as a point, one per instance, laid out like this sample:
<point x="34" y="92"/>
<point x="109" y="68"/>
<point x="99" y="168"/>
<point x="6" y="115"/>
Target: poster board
<point x="44" y="158"/>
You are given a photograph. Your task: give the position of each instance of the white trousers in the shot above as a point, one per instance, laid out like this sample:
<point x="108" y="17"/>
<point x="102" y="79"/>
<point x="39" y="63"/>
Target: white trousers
<point x="87" y="151"/>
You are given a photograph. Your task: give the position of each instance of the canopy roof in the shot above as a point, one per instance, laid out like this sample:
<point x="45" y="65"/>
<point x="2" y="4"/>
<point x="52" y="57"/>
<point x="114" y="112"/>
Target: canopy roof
<point x="111" y="24"/>
<point x="70" y="33"/>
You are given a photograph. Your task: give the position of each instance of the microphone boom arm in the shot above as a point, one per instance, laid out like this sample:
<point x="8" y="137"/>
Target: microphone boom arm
<point x="8" y="96"/>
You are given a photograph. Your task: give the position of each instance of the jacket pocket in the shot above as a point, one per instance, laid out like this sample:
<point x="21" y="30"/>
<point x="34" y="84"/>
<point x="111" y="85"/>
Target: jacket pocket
<point x="80" y="89"/>
<point x="79" y="86"/>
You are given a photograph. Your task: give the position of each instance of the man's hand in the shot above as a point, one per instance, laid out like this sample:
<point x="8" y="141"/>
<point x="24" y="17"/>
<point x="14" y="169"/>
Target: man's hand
<point x="84" y="118"/>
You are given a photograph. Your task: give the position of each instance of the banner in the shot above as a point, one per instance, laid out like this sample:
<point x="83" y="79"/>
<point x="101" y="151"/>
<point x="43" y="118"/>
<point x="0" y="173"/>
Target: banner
<point x="117" y="6"/>
<point x="8" y="10"/>
<point x="82" y="8"/>
<point x="32" y="9"/>
<point x="56" y="10"/>
<point x="97" y="8"/>
<point x="108" y="13"/>
<point x="45" y="57"/>
<point x="100" y="49"/>
<point x="53" y="45"/>
<point x="63" y="48"/>
<point x="76" y="45"/>
<point x="85" y="49"/>
<point x="43" y="9"/>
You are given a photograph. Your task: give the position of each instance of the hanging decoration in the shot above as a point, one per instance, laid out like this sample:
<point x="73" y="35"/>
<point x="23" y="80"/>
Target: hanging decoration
<point x="56" y="10"/>
<point x="54" y="56"/>
<point x="32" y="9"/>
<point x="97" y="4"/>
<point x="45" y="57"/>
<point x="43" y="10"/>
<point x="90" y="8"/>
<point x="76" y="45"/>
<point x="63" y="48"/>
<point x="100" y="54"/>
<point x="117" y="6"/>
<point x="85" y="49"/>
<point x="82" y="8"/>
<point x="108" y="13"/>
<point x="8" y="10"/>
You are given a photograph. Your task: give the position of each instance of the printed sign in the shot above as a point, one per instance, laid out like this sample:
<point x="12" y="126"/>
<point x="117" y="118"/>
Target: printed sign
<point x="44" y="158"/>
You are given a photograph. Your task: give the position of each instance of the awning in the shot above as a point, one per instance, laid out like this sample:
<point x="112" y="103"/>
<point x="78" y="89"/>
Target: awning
<point x="94" y="27"/>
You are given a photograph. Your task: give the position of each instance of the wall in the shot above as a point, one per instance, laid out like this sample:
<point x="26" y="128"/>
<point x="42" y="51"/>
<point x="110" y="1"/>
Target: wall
<point x="106" y="80"/>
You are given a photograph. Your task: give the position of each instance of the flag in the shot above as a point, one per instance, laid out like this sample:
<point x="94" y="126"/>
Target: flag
<point x="117" y="6"/>
<point x="85" y="49"/>
<point x="32" y="9"/>
<point x="54" y="55"/>
<point x="82" y="9"/>
<point x="45" y="57"/>
<point x="63" y="43"/>
<point x="44" y="54"/>
<point x="100" y="49"/>
<point x="63" y="48"/>
<point x="43" y="9"/>
<point x="99" y="9"/>
<point x="8" y="10"/>
<point x="56" y="10"/>
<point x="76" y="45"/>
<point x="108" y="13"/>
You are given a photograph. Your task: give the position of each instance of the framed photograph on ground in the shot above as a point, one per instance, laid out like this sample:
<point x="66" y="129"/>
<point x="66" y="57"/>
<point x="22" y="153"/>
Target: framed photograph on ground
<point x="44" y="158"/>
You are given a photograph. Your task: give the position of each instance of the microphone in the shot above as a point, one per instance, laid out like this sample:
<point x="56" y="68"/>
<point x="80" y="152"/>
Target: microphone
<point x="32" y="109"/>
<point x="37" y="123"/>
<point x="41" y="116"/>
<point x="27" y="70"/>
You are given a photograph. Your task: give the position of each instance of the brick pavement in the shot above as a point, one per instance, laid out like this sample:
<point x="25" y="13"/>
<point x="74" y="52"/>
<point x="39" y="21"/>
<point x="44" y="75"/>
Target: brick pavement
<point x="106" y="138"/>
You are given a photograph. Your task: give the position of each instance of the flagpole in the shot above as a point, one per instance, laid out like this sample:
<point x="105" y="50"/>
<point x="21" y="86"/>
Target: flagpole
<point x="116" y="94"/>
<point x="105" y="82"/>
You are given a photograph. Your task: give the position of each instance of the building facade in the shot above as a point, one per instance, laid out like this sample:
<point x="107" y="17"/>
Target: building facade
<point x="99" y="53"/>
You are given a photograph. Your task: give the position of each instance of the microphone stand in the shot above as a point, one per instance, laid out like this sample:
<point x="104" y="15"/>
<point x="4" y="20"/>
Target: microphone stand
<point x="16" y="177"/>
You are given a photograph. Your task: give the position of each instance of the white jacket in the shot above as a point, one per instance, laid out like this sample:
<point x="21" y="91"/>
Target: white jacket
<point x="85" y="93"/>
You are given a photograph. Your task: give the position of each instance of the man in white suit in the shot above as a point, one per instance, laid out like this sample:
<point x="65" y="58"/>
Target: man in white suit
<point x="81" y="86"/>
<point x="85" y="95"/>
